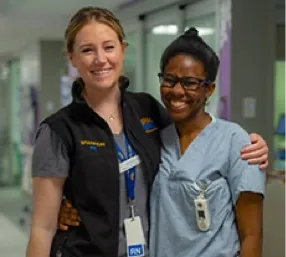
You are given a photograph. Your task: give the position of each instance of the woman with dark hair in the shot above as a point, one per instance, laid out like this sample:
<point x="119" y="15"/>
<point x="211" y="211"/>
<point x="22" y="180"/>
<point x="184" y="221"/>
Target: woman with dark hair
<point x="205" y="201"/>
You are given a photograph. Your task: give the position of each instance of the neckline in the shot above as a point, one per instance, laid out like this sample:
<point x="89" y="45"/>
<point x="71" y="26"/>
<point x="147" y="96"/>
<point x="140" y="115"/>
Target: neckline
<point x="195" y="142"/>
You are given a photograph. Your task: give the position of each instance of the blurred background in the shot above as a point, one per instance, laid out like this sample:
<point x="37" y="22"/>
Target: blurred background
<point x="35" y="81"/>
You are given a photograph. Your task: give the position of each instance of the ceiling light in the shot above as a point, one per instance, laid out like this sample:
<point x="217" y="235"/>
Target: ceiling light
<point x="165" y="30"/>
<point x="204" y="31"/>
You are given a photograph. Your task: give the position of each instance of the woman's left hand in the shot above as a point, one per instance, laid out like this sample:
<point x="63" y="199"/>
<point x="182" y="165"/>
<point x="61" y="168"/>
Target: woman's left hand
<point x="257" y="152"/>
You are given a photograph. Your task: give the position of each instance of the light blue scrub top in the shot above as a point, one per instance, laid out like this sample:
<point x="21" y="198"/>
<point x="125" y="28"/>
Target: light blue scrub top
<point x="211" y="160"/>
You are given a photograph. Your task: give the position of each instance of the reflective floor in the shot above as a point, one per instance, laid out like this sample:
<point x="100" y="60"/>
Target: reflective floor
<point x="13" y="222"/>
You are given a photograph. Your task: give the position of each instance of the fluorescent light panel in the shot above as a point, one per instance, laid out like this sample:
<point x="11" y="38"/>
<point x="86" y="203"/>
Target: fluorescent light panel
<point x="172" y="29"/>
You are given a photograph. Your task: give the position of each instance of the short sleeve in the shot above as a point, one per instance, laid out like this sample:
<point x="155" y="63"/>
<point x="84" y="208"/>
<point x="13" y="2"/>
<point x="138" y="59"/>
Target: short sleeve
<point x="241" y="175"/>
<point x="50" y="158"/>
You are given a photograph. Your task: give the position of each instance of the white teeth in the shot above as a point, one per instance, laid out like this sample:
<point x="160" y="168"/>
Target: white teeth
<point x="177" y="104"/>
<point x="101" y="72"/>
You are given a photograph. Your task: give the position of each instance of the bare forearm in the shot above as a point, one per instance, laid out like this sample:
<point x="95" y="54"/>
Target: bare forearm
<point x="251" y="246"/>
<point x="40" y="243"/>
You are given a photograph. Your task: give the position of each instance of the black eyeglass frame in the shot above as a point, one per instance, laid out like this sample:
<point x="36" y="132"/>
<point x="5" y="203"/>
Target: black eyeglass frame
<point x="183" y="81"/>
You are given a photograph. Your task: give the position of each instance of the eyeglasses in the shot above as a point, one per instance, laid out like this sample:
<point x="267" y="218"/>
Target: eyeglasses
<point x="188" y="83"/>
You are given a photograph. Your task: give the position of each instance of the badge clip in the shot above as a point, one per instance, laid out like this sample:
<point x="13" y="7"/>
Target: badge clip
<point x="202" y="212"/>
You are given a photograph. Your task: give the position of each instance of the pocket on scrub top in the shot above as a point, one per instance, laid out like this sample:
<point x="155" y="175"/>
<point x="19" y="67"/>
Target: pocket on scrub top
<point x="218" y="196"/>
<point x="181" y="196"/>
<point x="217" y="189"/>
<point x="184" y="193"/>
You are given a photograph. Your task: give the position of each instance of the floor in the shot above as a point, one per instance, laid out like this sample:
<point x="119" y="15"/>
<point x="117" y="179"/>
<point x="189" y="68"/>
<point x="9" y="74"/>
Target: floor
<point x="14" y="222"/>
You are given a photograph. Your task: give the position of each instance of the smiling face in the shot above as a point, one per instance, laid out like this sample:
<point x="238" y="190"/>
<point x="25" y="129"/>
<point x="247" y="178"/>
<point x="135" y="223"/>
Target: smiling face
<point x="98" y="55"/>
<point x="186" y="103"/>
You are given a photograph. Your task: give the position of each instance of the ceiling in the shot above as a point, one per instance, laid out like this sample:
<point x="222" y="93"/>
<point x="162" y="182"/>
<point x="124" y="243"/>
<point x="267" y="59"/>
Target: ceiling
<point x="24" y="21"/>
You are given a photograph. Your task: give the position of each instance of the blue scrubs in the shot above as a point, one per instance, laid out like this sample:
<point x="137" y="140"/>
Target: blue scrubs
<point x="211" y="162"/>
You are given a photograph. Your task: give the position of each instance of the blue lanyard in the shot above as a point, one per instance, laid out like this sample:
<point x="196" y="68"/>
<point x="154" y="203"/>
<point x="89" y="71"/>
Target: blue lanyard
<point x="129" y="174"/>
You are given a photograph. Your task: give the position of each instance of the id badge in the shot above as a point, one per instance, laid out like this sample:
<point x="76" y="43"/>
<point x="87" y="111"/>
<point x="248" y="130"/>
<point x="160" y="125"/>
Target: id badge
<point x="129" y="164"/>
<point x="134" y="237"/>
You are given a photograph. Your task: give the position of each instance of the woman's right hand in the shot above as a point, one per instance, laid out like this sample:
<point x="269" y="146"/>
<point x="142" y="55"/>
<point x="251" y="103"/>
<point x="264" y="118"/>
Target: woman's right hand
<point x="68" y="216"/>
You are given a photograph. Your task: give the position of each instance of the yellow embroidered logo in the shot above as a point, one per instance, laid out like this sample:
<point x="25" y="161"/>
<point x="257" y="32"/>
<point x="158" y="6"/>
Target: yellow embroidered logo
<point x="93" y="145"/>
<point x="148" y="124"/>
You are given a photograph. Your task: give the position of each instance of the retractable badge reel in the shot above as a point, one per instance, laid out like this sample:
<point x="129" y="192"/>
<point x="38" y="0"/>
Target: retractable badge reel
<point x="202" y="211"/>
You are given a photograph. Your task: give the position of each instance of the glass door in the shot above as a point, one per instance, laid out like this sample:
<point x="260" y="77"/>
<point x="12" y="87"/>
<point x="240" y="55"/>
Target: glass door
<point x="161" y="28"/>
<point x="206" y="28"/>
<point x="129" y="64"/>
<point x="202" y="16"/>
<point x="132" y="61"/>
